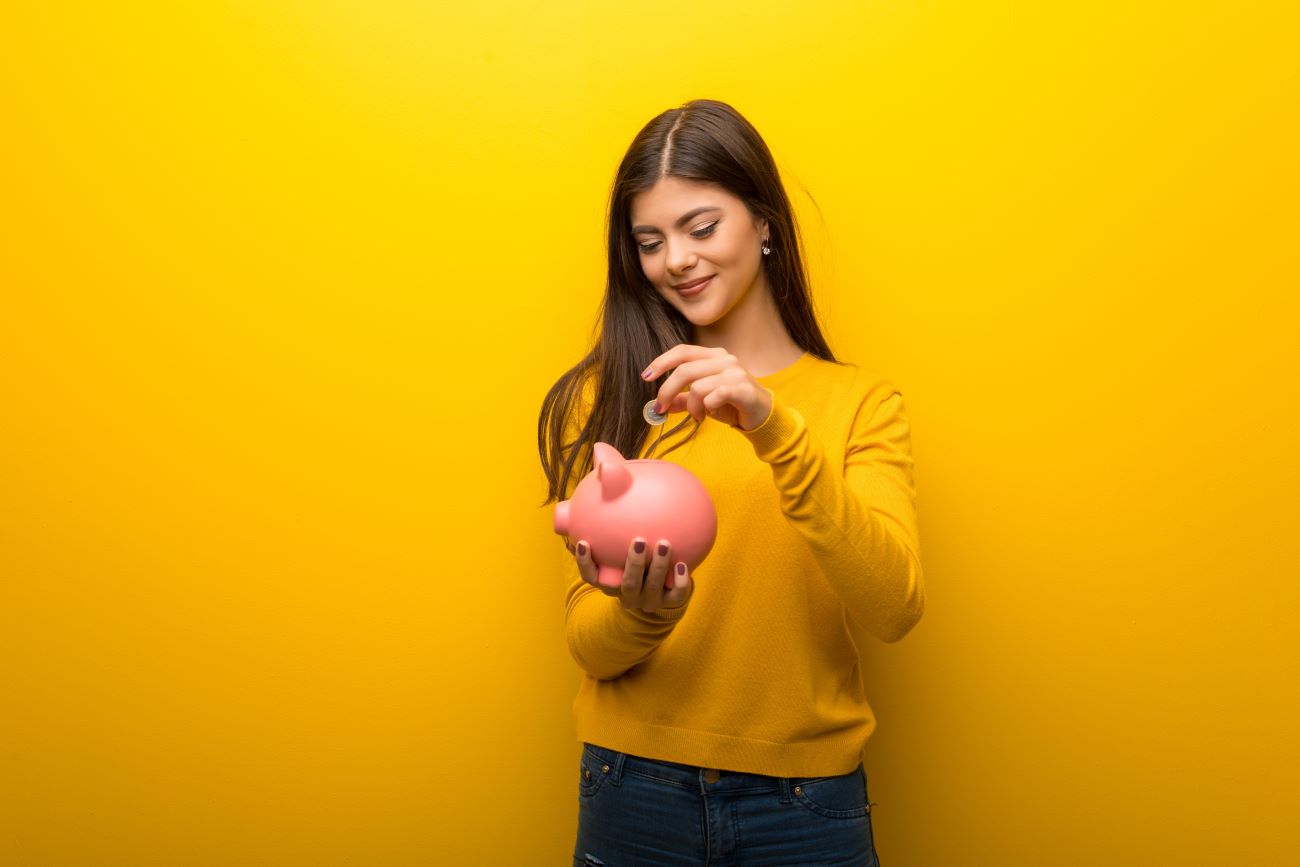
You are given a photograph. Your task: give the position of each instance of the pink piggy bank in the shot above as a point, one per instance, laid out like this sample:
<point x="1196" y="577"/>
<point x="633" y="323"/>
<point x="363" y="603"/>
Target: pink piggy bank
<point x="621" y="499"/>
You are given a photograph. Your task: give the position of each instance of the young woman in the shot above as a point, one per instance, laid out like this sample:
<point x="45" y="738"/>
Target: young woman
<point x="726" y="722"/>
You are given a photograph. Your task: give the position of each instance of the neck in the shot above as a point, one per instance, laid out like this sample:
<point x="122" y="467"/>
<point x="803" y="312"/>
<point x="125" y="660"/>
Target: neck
<point x="753" y="332"/>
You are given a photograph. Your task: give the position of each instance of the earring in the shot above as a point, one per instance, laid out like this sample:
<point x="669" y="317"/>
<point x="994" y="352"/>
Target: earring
<point x="766" y="249"/>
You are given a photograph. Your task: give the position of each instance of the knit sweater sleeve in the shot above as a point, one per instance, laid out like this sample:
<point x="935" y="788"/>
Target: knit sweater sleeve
<point x="859" y="520"/>
<point x="604" y="638"/>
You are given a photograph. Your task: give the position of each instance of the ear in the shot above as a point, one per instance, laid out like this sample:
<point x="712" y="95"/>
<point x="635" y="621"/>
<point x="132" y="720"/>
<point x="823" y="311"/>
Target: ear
<point x="611" y="470"/>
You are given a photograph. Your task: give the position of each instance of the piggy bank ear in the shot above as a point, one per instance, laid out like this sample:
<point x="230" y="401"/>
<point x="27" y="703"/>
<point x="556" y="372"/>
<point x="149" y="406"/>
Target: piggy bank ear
<point x="611" y="470"/>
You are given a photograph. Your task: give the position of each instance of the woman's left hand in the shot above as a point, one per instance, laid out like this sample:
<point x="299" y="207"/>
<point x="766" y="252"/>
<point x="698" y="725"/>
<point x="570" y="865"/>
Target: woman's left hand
<point x="714" y="385"/>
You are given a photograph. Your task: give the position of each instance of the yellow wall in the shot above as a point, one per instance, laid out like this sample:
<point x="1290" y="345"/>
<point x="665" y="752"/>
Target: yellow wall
<point x="281" y="289"/>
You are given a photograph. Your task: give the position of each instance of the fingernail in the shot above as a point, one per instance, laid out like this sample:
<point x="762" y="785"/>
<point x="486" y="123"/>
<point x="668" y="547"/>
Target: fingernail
<point x="663" y="549"/>
<point x="639" y="547"/>
<point x="658" y="411"/>
<point x="681" y="568"/>
<point x="645" y="374"/>
<point x="582" y="549"/>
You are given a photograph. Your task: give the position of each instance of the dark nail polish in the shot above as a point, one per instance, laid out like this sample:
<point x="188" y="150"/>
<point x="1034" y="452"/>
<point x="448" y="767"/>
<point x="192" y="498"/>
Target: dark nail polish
<point x="582" y="549"/>
<point x="681" y="568"/>
<point x="639" y="547"/>
<point x="663" y="549"/>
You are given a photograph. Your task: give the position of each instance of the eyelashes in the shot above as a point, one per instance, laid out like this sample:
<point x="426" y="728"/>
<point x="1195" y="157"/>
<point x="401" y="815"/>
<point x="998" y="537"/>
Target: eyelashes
<point x="704" y="232"/>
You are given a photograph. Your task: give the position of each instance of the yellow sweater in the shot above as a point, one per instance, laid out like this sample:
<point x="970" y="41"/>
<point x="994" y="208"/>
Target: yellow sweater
<point x="816" y="524"/>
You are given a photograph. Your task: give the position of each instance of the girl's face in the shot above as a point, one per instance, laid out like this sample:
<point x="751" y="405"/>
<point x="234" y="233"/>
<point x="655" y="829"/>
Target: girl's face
<point x="689" y="230"/>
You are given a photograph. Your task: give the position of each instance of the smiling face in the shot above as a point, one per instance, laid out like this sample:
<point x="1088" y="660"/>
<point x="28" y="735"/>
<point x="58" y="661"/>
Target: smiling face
<point x="689" y="230"/>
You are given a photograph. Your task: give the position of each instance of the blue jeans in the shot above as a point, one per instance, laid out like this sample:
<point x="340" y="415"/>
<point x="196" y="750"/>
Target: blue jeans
<point x="634" y="811"/>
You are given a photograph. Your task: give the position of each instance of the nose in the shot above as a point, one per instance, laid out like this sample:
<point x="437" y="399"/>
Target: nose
<point x="680" y="257"/>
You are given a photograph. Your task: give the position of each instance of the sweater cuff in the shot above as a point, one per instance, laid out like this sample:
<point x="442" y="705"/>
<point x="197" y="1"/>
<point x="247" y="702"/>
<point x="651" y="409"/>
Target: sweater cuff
<point x="780" y="426"/>
<point x="653" y="618"/>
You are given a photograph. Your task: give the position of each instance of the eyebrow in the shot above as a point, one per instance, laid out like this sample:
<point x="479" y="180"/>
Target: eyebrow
<point x="681" y="221"/>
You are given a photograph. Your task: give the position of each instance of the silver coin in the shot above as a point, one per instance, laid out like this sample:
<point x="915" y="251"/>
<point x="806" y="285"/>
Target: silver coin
<point x="652" y="417"/>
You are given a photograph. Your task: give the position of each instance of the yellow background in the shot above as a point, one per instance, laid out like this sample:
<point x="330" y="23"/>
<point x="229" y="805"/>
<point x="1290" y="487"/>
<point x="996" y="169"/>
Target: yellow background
<point x="282" y="286"/>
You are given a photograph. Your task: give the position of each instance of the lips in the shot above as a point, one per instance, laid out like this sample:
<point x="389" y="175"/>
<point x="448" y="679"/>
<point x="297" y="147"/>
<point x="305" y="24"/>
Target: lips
<point x="694" y="284"/>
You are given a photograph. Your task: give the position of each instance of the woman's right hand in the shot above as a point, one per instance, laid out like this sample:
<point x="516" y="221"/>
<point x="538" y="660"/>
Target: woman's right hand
<point x="643" y="582"/>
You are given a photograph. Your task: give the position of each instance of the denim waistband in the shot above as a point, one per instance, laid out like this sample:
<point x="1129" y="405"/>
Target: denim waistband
<point x="693" y="777"/>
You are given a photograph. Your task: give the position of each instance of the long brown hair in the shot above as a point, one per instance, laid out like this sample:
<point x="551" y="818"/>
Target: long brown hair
<point x="702" y="140"/>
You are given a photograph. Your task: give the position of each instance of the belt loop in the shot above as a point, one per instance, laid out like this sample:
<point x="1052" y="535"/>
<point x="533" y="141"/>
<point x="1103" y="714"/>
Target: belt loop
<point x="785" y="789"/>
<point x="616" y="768"/>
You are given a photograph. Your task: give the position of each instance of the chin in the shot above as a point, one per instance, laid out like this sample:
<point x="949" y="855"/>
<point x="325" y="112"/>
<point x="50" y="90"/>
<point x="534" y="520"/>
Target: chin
<point x="701" y="321"/>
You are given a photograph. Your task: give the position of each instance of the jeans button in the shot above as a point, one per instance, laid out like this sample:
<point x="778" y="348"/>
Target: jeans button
<point x="711" y="775"/>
